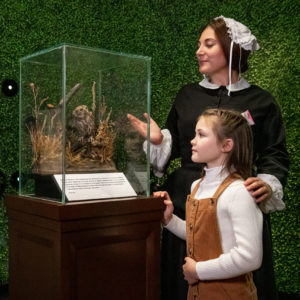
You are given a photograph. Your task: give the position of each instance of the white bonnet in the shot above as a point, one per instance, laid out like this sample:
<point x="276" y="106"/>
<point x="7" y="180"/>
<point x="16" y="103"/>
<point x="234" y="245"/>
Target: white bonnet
<point x="240" y="34"/>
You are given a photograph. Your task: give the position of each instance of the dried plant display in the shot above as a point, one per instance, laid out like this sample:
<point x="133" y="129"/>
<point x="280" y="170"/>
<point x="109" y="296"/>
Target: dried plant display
<point x="89" y="143"/>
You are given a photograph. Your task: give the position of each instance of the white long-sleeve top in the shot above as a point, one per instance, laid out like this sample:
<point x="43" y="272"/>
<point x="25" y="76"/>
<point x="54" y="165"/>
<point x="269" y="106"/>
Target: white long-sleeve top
<point x="240" y="226"/>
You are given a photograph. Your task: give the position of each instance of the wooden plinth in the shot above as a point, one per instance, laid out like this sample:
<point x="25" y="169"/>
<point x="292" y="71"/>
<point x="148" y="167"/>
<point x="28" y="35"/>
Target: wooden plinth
<point x="103" y="249"/>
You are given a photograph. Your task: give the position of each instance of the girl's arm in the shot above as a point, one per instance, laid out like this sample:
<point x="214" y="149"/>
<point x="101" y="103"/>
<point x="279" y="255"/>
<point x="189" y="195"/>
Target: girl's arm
<point x="177" y="226"/>
<point x="243" y="251"/>
<point x="170" y="221"/>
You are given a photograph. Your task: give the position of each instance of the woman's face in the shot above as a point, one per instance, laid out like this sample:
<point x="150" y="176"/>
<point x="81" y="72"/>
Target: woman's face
<point x="211" y="59"/>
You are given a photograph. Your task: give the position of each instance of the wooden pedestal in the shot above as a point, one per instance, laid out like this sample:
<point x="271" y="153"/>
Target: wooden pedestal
<point x="104" y="249"/>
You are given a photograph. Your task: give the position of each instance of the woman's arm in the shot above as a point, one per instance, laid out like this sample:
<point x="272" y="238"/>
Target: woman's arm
<point x="160" y="143"/>
<point x="272" y="156"/>
<point x="156" y="136"/>
<point x="160" y="154"/>
<point x="272" y="159"/>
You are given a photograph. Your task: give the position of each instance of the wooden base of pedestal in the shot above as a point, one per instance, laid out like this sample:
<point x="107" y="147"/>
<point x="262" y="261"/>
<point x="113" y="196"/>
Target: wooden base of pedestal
<point x="104" y="249"/>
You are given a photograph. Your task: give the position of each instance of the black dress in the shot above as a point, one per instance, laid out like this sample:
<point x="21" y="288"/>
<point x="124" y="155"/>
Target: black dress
<point x="270" y="157"/>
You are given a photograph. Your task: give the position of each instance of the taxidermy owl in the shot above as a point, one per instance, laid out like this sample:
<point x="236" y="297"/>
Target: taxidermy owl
<point x="83" y="121"/>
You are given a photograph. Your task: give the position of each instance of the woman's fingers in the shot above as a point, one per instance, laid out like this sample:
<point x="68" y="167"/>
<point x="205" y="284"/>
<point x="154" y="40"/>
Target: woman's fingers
<point x="258" y="188"/>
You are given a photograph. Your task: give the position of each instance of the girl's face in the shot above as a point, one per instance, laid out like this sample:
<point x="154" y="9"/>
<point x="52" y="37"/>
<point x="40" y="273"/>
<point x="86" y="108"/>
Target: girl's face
<point x="206" y="147"/>
<point x="211" y="59"/>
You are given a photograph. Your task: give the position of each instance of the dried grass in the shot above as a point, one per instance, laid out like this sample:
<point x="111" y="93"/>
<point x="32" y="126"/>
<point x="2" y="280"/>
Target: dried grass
<point x="72" y="157"/>
<point x="45" y="147"/>
<point x="105" y="135"/>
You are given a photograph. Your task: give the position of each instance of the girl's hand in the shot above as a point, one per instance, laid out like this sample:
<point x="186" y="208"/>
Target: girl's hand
<point x="156" y="136"/>
<point x="189" y="271"/>
<point x="168" y="212"/>
<point x="258" y="189"/>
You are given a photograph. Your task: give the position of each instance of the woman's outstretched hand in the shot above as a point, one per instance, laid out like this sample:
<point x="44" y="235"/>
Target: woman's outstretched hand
<point x="156" y="136"/>
<point x="169" y="207"/>
<point x="259" y="189"/>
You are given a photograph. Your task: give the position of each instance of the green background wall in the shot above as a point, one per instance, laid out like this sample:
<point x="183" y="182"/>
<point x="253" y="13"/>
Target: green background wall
<point x="168" y="32"/>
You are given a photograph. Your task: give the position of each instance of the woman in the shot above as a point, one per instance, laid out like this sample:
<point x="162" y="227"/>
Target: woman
<point x="223" y="50"/>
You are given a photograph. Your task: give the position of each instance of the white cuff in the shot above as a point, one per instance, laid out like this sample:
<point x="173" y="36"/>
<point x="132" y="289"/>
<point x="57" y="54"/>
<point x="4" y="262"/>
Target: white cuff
<point x="275" y="203"/>
<point x="160" y="154"/>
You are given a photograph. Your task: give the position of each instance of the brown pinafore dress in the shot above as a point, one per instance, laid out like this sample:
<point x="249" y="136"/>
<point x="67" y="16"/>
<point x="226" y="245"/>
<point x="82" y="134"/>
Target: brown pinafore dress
<point x="204" y="243"/>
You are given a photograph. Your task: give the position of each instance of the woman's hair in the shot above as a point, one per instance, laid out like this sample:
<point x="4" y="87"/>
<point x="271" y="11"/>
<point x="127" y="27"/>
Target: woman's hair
<point x="231" y="124"/>
<point x="220" y="29"/>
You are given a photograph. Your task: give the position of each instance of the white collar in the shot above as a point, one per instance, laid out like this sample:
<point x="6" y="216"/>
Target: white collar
<point x="242" y="84"/>
<point x="215" y="174"/>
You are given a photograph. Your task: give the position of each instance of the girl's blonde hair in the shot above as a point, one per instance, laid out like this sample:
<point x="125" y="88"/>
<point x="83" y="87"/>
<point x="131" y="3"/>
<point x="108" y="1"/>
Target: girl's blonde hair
<point x="231" y="124"/>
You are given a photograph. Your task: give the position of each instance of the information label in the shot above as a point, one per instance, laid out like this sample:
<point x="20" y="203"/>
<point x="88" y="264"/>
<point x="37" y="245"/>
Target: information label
<point x="95" y="186"/>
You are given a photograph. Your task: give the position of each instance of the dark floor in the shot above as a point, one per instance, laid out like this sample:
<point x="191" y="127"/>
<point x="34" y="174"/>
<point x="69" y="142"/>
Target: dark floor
<point x="4" y="295"/>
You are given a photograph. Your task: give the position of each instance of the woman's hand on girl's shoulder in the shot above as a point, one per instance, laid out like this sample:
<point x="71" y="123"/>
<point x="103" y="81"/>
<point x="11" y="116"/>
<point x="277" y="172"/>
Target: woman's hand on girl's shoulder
<point x="258" y="189"/>
<point x="169" y="207"/>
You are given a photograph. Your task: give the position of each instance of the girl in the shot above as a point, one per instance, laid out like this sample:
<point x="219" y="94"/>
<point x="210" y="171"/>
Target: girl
<point x="223" y="227"/>
<point x="223" y="49"/>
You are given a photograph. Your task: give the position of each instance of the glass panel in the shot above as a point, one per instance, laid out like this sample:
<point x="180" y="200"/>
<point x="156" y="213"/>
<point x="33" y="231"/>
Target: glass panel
<point x="73" y="106"/>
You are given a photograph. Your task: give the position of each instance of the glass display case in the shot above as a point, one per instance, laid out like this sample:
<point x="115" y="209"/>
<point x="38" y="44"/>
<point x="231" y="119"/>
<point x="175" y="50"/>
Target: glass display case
<point x="76" y="142"/>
